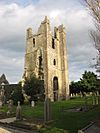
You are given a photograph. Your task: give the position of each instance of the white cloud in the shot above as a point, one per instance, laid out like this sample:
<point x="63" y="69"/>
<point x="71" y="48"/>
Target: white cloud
<point x="14" y="19"/>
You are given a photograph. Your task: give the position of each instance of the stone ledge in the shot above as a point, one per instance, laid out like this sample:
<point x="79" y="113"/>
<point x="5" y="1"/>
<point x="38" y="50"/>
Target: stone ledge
<point x="91" y="128"/>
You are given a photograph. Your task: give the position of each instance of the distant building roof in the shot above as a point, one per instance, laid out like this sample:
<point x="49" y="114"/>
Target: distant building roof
<point x="3" y="80"/>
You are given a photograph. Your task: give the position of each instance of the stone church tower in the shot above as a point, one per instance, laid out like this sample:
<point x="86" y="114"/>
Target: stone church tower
<point x="46" y="58"/>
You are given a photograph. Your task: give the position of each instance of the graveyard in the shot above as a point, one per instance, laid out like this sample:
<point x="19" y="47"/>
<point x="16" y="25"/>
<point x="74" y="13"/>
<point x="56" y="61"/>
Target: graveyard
<point x="27" y="109"/>
<point x="49" y="51"/>
<point x="67" y="116"/>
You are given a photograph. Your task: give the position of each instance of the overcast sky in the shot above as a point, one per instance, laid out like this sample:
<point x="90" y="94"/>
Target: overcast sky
<point x="17" y="15"/>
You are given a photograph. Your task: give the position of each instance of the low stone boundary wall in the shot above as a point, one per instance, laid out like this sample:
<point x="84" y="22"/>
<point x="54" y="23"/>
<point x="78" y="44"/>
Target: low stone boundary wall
<point x="85" y="128"/>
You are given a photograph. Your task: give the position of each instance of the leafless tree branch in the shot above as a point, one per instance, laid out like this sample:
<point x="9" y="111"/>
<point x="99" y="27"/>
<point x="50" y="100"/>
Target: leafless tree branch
<point x="94" y="7"/>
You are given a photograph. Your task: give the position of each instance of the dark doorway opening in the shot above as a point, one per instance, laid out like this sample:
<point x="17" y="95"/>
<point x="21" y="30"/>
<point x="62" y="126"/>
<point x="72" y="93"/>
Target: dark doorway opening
<point x="55" y="88"/>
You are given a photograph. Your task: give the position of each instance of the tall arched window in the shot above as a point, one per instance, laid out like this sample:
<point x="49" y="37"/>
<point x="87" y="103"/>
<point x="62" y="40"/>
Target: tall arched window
<point x="40" y="61"/>
<point x="55" y="88"/>
<point x="53" y="43"/>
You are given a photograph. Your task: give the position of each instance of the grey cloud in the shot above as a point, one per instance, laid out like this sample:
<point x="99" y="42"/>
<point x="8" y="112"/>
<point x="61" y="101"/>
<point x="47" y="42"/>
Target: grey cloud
<point x="12" y="64"/>
<point x="14" y="20"/>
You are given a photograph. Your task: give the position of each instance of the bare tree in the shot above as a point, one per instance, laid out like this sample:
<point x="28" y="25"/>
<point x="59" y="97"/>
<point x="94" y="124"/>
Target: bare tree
<point x="96" y="38"/>
<point x="94" y="8"/>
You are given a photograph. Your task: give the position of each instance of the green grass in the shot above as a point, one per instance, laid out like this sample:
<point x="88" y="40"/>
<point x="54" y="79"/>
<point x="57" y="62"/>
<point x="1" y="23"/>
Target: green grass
<point x="71" y="121"/>
<point x="4" y="109"/>
<point x="31" y="113"/>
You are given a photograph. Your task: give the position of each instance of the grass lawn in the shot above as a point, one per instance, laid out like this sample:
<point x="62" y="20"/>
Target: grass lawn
<point x="71" y="121"/>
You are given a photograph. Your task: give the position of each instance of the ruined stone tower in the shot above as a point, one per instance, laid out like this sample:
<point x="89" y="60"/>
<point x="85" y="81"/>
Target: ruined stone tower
<point x="46" y="58"/>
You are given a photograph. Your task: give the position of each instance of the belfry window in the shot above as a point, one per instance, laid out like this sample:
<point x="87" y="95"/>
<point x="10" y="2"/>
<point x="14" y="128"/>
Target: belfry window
<point x="55" y="35"/>
<point x="33" y="42"/>
<point x="54" y="62"/>
<point x="53" y="43"/>
<point x="40" y="61"/>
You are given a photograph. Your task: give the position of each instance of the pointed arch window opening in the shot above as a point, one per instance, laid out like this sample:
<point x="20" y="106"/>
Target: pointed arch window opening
<point x="55" y="88"/>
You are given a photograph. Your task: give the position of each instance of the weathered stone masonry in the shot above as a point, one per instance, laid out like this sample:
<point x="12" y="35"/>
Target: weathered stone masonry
<point x="46" y="58"/>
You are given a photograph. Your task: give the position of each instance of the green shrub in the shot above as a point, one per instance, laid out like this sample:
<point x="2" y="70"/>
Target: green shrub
<point x="34" y="88"/>
<point x="17" y="96"/>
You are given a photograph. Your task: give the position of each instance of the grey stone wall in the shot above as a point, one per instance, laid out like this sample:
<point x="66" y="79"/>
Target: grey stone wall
<point x="46" y="58"/>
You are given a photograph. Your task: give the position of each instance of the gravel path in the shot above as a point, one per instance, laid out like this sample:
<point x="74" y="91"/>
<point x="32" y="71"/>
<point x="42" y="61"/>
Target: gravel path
<point x="10" y="130"/>
<point x="8" y="120"/>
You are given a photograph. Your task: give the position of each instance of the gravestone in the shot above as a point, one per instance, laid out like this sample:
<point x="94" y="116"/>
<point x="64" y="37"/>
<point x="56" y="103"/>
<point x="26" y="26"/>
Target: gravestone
<point x="10" y="107"/>
<point x="47" y="110"/>
<point x="2" y="96"/>
<point x="18" y="112"/>
<point x="0" y="104"/>
<point x="93" y="99"/>
<point x="32" y="103"/>
<point x="97" y="100"/>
